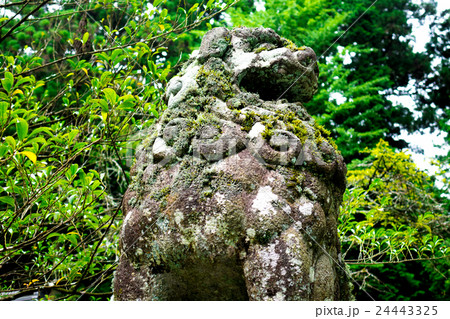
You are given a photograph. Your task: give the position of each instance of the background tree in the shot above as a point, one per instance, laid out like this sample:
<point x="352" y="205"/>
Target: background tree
<point x="434" y="93"/>
<point x="394" y="229"/>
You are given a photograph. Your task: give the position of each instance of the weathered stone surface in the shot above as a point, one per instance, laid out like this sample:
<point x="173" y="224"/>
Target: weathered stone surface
<point x="235" y="194"/>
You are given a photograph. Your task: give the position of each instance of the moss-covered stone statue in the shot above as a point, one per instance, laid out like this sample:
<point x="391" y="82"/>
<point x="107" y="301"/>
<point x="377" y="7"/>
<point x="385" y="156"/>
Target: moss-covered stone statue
<point x="235" y="192"/>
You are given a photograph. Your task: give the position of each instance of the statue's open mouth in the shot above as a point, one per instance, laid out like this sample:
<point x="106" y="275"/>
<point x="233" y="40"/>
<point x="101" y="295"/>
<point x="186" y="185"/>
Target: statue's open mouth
<point x="281" y="73"/>
<point x="272" y="85"/>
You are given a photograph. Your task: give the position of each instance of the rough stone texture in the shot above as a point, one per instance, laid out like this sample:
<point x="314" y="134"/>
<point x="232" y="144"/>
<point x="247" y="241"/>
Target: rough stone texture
<point x="235" y="194"/>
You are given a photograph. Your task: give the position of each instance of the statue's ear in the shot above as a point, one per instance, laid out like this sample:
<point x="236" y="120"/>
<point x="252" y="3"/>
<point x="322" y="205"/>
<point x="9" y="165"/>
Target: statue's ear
<point x="214" y="44"/>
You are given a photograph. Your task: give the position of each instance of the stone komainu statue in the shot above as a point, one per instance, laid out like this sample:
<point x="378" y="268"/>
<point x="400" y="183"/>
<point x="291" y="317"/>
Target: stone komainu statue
<point x="235" y="193"/>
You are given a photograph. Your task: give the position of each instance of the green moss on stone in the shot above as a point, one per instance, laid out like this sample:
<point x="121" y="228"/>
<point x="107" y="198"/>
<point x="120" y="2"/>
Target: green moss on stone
<point x="215" y="82"/>
<point x="294" y="125"/>
<point x="322" y="134"/>
<point x="291" y="45"/>
<point x="295" y="181"/>
<point x="260" y="49"/>
<point x="249" y="121"/>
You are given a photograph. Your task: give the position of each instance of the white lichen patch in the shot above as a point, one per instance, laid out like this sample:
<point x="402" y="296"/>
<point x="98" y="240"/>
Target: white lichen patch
<point x="279" y="296"/>
<point x="127" y="218"/>
<point x="178" y="216"/>
<point x="211" y="225"/>
<point x="287" y="209"/>
<point x="298" y="225"/>
<point x="262" y="203"/>
<point x="163" y="224"/>
<point x="269" y="257"/>
<point x="251" y="233"/>
<point x="306" y="208"/>
<point x="147" y="213"/>
<point x="256" y="130"/>
<point x="267" y="57"/>
<point x="220" y="108"/>
<point x="188" y="85"/>
<point x="242" y="61"/>
<point x="220" y="198"/>
<point x="311" y="274"/>
<point x="296" y="262"/>
<point x="185" y="241"/>
<point x="293" y="251"/>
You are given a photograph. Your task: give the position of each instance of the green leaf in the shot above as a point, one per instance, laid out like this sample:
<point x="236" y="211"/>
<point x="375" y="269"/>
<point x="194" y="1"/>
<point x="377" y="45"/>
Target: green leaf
<point x="73" y="169"/>
<point x="72" y="134"/>
<point x="143" y="46"/>
<point x="94" y="184"/>
<point x="164" y="12"/>
<point x="127" y="97"/>
<point x="103" y="104"/>
<point x="110" y="95"/>
<point x="53" y="235"/>
<point x="38" y="130"/>
<point x="11" y="141"/>
<point x="3" y="149"/>
<point x="9" y="58"/>
<point x="21" y="128"/>
<point x="7" y="200"/>
<point x="3" y="112"/>
<point x="153" y="67"/>
<point x="38" y="139"/>
<point x="105" y="78"/>
<point x="115" y="54"/>
<point x="209" y="3"/>
<point x="127" y="106"/>
<point x="193" y="8"/>
<point x="79" y="145"/>
<point x="156" y="2"/>
<point x="85" y="37"/>
<point x="72" y="238"/>
<point x="22" y="81"/>
<point x="8" y="81"/>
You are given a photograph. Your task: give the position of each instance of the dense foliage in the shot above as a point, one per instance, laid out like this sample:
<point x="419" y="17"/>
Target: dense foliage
<point x="81" y="81"/>
<point x="390" y="215"/>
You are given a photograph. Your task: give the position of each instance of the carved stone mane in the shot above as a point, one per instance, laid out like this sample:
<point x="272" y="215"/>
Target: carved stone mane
<point x="235" y="193"/>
